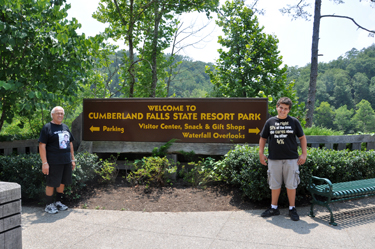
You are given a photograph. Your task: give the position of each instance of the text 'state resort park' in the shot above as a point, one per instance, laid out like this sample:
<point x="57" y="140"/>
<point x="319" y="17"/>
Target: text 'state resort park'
<point x="211" y="120"/>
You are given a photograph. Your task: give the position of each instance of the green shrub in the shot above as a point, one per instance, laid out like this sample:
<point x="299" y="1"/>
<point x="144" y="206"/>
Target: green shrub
<point x="162" y="151"/>
<point x="241" y="167"/>
<point x="201" y="173"/>
<point x="107" y="172"/>
<point x="321" y="131"/>
<point x="85" y="172"/>
<point x="151" y="171"/>
<point x="26" y="170"/>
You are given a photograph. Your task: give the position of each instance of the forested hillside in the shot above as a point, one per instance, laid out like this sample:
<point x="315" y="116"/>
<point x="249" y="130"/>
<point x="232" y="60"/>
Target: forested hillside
<point x="186" y="78"/>
<point x="345" y="96"/>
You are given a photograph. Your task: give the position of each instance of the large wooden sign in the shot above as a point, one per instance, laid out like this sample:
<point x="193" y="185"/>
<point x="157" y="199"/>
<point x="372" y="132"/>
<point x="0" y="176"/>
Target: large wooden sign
<point x="210" y="120"/>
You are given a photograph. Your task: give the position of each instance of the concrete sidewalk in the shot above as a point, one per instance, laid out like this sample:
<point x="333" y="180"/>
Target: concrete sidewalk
<point x="84" y="228"/>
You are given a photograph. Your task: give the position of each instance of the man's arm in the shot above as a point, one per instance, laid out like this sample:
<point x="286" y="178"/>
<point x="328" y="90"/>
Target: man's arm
<point x="303" y="156"/>
<point x="72" y="154"/>
<point x="43" y="156"/>
<point x="262" y="157"/>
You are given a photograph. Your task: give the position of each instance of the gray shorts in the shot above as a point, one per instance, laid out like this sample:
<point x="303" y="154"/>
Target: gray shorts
<point x="286" y="171"/>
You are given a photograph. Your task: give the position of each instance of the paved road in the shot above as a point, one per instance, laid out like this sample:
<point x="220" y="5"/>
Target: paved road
<point x="83" y="228"/>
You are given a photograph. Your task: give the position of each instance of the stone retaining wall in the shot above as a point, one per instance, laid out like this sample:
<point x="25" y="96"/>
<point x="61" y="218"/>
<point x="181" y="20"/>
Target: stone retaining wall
<point x="10" y="216"/>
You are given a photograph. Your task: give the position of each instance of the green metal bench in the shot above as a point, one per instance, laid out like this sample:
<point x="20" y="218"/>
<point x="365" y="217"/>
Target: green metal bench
<point x="334" y="192"/>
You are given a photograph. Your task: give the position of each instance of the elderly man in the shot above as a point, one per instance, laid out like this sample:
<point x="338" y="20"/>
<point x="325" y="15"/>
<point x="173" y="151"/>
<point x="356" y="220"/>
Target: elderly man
<point x="57" y="161"/>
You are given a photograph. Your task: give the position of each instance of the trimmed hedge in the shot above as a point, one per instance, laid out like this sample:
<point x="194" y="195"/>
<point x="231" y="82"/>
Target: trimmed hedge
<point x="240" y="167"/>
<point x="26" y="170"/>
<point x="243" y="168"/>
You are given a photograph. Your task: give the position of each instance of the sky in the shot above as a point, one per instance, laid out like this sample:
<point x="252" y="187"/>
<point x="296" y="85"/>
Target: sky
<point x="337" y="35"/>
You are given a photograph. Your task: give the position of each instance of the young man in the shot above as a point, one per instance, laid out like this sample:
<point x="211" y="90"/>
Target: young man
<point x="57" y="161"/>
<point x="283" y="159"/>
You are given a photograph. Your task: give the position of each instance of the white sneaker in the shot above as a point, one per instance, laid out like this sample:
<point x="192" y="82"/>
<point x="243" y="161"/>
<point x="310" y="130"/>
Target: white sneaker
<point x="61" y="206"/>
<point x="51" y="209"/>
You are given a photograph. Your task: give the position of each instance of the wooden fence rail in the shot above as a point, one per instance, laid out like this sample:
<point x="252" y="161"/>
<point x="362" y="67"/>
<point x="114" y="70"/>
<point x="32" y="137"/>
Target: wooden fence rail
<point x="353" y="142"/>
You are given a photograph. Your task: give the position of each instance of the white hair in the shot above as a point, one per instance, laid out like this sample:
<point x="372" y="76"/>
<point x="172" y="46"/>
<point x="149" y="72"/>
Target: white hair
<point x="53" y="110"/>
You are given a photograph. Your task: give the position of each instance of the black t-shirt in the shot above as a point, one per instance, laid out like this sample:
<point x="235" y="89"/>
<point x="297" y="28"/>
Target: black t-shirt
<point x="57" y="139"/>
<point x="281" y="134"/>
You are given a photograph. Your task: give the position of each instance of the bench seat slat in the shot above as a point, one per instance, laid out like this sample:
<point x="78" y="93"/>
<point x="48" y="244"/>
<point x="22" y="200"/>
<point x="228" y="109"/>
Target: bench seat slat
<point x="339" y="192"/>
<point x="345" y="189"/>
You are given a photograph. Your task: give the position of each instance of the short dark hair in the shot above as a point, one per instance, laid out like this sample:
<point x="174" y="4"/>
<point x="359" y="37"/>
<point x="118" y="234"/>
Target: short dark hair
<point x="285" y="101"/>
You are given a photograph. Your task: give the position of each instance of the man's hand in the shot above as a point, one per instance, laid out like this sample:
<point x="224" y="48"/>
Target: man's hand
<point x="73" y="165"/>
<point x="263" y="159"/>
<point x="301" y="159"/>
<point x="45" y="168"/>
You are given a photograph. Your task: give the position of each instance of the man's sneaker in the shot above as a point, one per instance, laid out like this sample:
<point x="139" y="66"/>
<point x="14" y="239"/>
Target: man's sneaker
<point x="61" y="206"/>
<point x="293" y="214"/>
<point x="51" y="209"/>
<point x="270" y="212"/>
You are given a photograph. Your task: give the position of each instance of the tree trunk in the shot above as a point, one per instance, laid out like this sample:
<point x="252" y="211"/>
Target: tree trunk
<point x="131" y="50"/>
<point x="154" y="52"/>
<point x="314" y="65"/>
<point x="2" y="119"/>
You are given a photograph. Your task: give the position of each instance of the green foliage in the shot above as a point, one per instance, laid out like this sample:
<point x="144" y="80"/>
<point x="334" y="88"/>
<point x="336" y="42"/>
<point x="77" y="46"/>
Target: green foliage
<point x="241" y="167"/>
<point x="147" y="27"/>
<point x="151" y="171"/>
<point x="324" y="115"/>
<point x="321" y="131"/>
<point x="188" y="156"/>
<point x="162" y="151"/>
<point x="343" y="118"/>
<point x="338" y="166"/>
<point x="107" y="172"/>
<point x="85" y="172"/>
<point x="345" y="81"/>
<point x="364" y="119"/>
<point x="203" y="172"/>
<point x="249" y="63"/>
<point x="189" y="79"/>
<point x="42" y="58"/>
<point x="26" y="170"/>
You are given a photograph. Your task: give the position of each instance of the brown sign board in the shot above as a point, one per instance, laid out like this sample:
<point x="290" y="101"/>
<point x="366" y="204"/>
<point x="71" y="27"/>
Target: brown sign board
<point x="209" y="120"/>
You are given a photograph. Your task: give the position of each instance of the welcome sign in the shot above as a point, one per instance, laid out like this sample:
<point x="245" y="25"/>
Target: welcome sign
<point x="209" y="120"/>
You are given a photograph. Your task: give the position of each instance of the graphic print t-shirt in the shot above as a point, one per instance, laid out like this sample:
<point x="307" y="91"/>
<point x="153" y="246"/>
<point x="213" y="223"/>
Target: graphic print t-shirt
<point x="281" y="134"/>
<point x="57" y="139"/>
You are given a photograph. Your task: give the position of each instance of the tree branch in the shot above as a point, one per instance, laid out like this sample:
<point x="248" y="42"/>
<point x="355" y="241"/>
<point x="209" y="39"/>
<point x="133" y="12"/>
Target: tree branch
<point x="359" y="26"/>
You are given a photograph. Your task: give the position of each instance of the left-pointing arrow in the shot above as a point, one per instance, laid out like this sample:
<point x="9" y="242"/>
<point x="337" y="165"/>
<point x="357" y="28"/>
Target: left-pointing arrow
<point x="92" y="128"/>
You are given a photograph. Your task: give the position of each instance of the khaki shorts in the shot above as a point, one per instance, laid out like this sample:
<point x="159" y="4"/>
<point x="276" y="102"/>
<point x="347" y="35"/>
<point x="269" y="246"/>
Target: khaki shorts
<point x="286" y="171"/>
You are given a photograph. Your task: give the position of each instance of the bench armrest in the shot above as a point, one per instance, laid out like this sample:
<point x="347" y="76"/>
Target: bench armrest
<point x="321" y="180"/>
<point x="328" y="189"/>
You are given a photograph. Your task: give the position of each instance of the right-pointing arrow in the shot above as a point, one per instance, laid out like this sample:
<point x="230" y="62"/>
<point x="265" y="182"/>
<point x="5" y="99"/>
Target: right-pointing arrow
<point x="256" y="130"/>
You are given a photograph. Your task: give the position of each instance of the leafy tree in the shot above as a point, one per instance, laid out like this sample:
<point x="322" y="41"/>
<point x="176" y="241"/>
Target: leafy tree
<point x="148" y="27"/>
<point x="364" y="117"/>
<point x="342" y="119"/>
<point x="342" y="92"/>
<point x="249" y="61"/>
<point x="324" y="115"/>
<point x="360" y="84"/>
<point x="249" y="64"/>
<point x="372" y="91"/>
<point x="42" y="56"/>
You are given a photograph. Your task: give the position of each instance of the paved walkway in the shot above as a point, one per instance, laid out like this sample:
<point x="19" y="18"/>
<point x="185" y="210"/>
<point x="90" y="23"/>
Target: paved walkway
<point x="83" y="228"/>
